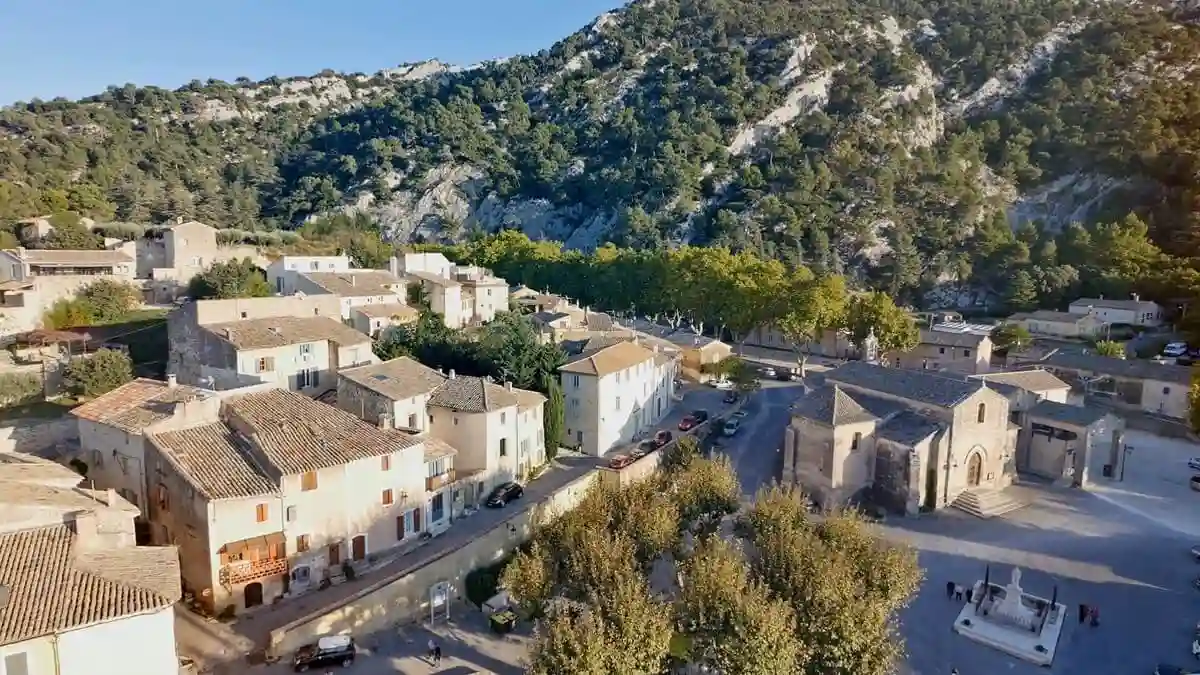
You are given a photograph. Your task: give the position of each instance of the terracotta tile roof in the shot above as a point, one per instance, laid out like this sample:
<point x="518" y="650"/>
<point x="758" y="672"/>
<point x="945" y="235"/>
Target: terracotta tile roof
<point x="914" y="385"/>
<point x="54" y="587"/>
<point x="14" y="285"/>
<point x="527" y="399"/>
<point x="284" y="331"/>
<point x="134" y="406"/>
<point x="357" y="283"/>
<point x="41" y="495"/>
<point x="472" y="394"/>
<point x="608" y="360"/>
<point x="433" y="279"/>
<point x="1037" y="380"/>
<point x="436" y="449"/>
<point x="297" y="434"/>
<point x="398" y="379"/>
<point x="23" y="468"/>
<point x="391" y="310"/>
<point x="212" y="459"/>
<point x="73" y="258"/>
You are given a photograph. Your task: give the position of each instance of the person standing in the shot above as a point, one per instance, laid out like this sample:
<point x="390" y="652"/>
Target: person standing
<point x="970" y="592"/>
<point x="433" y="649"/>
<point x="1083" y="613"/>
<point x="949" y="590"/>
<point x="437" y="655"/>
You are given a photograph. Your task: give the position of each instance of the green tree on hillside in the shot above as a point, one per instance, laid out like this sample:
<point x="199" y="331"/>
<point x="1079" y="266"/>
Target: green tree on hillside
<point x="553" y="414"/>
<point x="70" y="234"/>
<point x="894" y="327"/>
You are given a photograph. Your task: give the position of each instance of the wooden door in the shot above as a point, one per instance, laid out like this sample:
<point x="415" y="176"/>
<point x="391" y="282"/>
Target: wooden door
<point x="335" y="554"/>
<point x="358" y="547"/>
<point x="974" y="469"/>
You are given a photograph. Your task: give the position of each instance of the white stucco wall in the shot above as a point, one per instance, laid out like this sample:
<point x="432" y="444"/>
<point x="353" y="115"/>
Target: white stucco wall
<point x="603" y="408"/>
<point x="115" y="460"/>
<point x="1169" y="399"/>
<point x="39" y="654"/>
<point x="138" y="645"/>
<point x="281" y="273"/>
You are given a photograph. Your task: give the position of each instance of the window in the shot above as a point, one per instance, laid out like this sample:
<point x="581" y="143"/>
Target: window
<point x="1166" y="390"/>
<point x="354" y="355"/>
<point x="437" y="467"/>
<point x="261" y="513"/>
<point x="982" y="414"/>
<point x="243" y="315"/>
<point x="967" y="352"/>
<point x="308" y="378"/>
<point x="941" y="350"/>
<point x="574" y="380"/>
<point x="437" y="507"/>
<point x="265" y="365"/>
<point x="16" y="664"/>
<point x="400" y="526"/>
<point x="574" y="403"/>
<point x="503" y="447"/>
<point x="412" y="421"/>
<point x="16" y="271"/>
<point x="387" y="497"/>
<point x="308" y="481"/>
<point x="855" y="441"/>
<point x="163" y="499"/>
<point x="302" y="543"/>
<point x="306" y="349"/>
<point x="385" y="463"/>
<point x="314" y="265"/>
<point x="300" y="574"/>
<point x="291" y="514"/>
<point x="503" y="418"/>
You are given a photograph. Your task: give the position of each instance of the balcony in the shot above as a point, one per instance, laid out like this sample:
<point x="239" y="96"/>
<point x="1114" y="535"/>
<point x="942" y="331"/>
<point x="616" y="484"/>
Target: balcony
<point x="435" y="483"/>
<point x="246" y="571"/>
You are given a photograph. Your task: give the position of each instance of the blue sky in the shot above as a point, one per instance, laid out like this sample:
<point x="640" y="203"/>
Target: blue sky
<point x="74" y="48"/>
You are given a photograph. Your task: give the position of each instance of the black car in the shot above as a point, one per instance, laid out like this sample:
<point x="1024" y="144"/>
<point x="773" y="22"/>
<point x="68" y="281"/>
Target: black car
<point x="731" y="396"/>
<point x="503" y="494"/>
<point x="335" y="650"/>
<point x="701" y="416"/>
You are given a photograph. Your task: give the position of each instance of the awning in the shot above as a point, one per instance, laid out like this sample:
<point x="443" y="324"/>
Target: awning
<point x="262" y="543"/>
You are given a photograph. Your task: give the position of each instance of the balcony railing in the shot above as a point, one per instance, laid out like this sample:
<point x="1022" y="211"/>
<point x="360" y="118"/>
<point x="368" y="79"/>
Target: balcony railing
<point x="439" y="481"/>
<point x="246" y="571"/>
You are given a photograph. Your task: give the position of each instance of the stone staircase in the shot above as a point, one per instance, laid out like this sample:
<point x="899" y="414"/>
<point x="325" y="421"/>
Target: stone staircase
<point x="986" y="503"/>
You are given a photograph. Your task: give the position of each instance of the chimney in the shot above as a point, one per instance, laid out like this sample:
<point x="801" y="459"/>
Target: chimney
<point x="451" y="375"/>
<point x="508" y="386"/>
<point x="1136" y="298"/>
<point x="172" y="380"/>
<point x="385" y="421"/>
<point x="353" y="280"/>
<point x="178" y="220"/>
<point x="110" y="497"/>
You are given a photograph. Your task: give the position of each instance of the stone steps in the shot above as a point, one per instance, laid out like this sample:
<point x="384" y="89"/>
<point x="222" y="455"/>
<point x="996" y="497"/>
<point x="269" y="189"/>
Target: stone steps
<point x="986" y="503"/>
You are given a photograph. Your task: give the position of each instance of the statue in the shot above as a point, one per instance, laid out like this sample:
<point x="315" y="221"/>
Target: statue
<point x="1011" y="609"/>
<point x="870" y="348"/>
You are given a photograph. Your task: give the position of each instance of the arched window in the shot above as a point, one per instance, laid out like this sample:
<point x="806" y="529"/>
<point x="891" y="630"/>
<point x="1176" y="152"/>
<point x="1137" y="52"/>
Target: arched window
<point x="982" y="413"/>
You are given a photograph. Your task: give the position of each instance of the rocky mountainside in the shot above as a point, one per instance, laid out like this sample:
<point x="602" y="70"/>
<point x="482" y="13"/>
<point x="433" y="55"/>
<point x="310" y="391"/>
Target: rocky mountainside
<point x="856" y="135"/>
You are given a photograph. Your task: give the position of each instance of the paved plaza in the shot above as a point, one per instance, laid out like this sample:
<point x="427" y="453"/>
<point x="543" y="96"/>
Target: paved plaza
<point x="1155" y="483"/>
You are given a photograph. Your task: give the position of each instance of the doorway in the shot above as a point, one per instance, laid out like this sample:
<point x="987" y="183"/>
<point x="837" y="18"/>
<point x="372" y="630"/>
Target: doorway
<point x="358" y="547"/>
<point x="974" y="469"/>
<point x="253" y="594"/>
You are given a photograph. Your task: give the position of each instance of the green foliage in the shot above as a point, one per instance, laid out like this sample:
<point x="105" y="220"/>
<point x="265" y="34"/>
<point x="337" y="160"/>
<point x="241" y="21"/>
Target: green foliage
<point x="529" y="578"/>
<point x="67" y="313"/>
<point x="109" y="301"/>
<point x="680" y="454"/>
<point x="481" y="584"/>
<point x="232" y="279"/>
<point x="1111" y="349"/>
<point x="1011" y="336"/>
<point x="98" y="373"/>
<point x="553" y="415"/>
<point x="893" y="326"/>
<point x="69" y="234"/>
<point x="19" y="388"/>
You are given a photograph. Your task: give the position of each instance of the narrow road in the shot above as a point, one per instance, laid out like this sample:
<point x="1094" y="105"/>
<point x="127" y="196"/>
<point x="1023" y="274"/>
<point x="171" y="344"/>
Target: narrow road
<point x="756" y="450"/>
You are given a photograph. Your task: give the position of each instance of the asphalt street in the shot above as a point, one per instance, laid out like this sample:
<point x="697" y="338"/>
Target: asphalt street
<point x="756" y="450"/>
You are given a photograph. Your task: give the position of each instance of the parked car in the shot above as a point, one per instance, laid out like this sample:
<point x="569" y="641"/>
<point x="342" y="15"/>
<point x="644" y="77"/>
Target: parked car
<point x="722" y="384"/>
<point x="787" y="375"/>
<point x="335" y="650"/>
<point x="769" y="372"/>
<point x="731" y="397"/>
<point x="661" y="438"/>
<point x="503" y="494"/>
<point x="693" y="420"/>
<point x="620" y="461"/>
<point x="732" y="425"/>
<point x="1175" y="349"/>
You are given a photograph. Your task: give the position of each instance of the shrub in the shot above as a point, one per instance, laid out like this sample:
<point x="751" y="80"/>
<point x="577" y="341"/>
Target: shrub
<point x="18" y="388"/>
<point x="99" y="373"/>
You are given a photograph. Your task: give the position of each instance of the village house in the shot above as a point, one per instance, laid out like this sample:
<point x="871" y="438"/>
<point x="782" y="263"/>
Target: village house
<point x="1132" y="312"/>
<point x="498" y="430"/>
<point x="462" y="295"/>
<point x="528" y="300"/>
<point x="184" y="250"/>
<point x="282" y="271"/>
<point x="1131" y="384"/>
<point x="615" y="393"/>
<point x="1046" y="323"/>
<point x="374" y="320"/>
<point x="31" y="281"/>
<point x="77" y="595"/>
<point x="356" y="288"/>
<point x="202" y="355"/>
<point x="951" y="347"/>
<point x="280" y="494"/>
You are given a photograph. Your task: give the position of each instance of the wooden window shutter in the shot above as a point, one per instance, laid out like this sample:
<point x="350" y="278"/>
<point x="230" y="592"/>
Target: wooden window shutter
<point x="417" y="519"/>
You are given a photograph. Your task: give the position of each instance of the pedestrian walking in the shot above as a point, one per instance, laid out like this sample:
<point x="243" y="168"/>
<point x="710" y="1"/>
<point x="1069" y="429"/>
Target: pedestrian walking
<point x="1196" y="648"/>
<point x="958" y="592"/>
<point x="1083" y="613"/>
<point x="970" y="593"/>
<point x="433" y="650"/>
<point x="437" y="655"/>
<point x="1095" y="616"/>
<point x="949" y="590"/>
<point x="954" y="671"/>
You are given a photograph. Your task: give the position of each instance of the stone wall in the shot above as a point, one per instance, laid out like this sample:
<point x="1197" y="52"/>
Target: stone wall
<point x="51" y="439"/>
<point x="405" y="597"/>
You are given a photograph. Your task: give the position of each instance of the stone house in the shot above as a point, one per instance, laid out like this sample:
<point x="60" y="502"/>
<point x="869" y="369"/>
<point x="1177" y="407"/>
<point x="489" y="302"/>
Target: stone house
<point x="1132" y="312"/>
<point x="356" y="288"/>
<point x="31" y="281"/>
<point x="298" y="353"/>
<point x="79" y="595"/>
<point x="184" y="250"/>
<point x="1080" y="326"/>
<point x="462" y="295"/>
<point x="497" y="429"/>
<point x="615" y="393"/>
<point x="187" y="339"/>
<point x="282" y="271"/>
<point x="1132" y="384"/>
<point x="374" y="319"/>
<point x="276" y="491"/>
<point x="968" y="352"/>
<point x="908" y="439"/>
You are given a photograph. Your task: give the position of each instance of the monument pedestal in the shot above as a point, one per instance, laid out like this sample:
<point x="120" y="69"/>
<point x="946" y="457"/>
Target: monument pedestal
<point x="1012" y="621"/>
